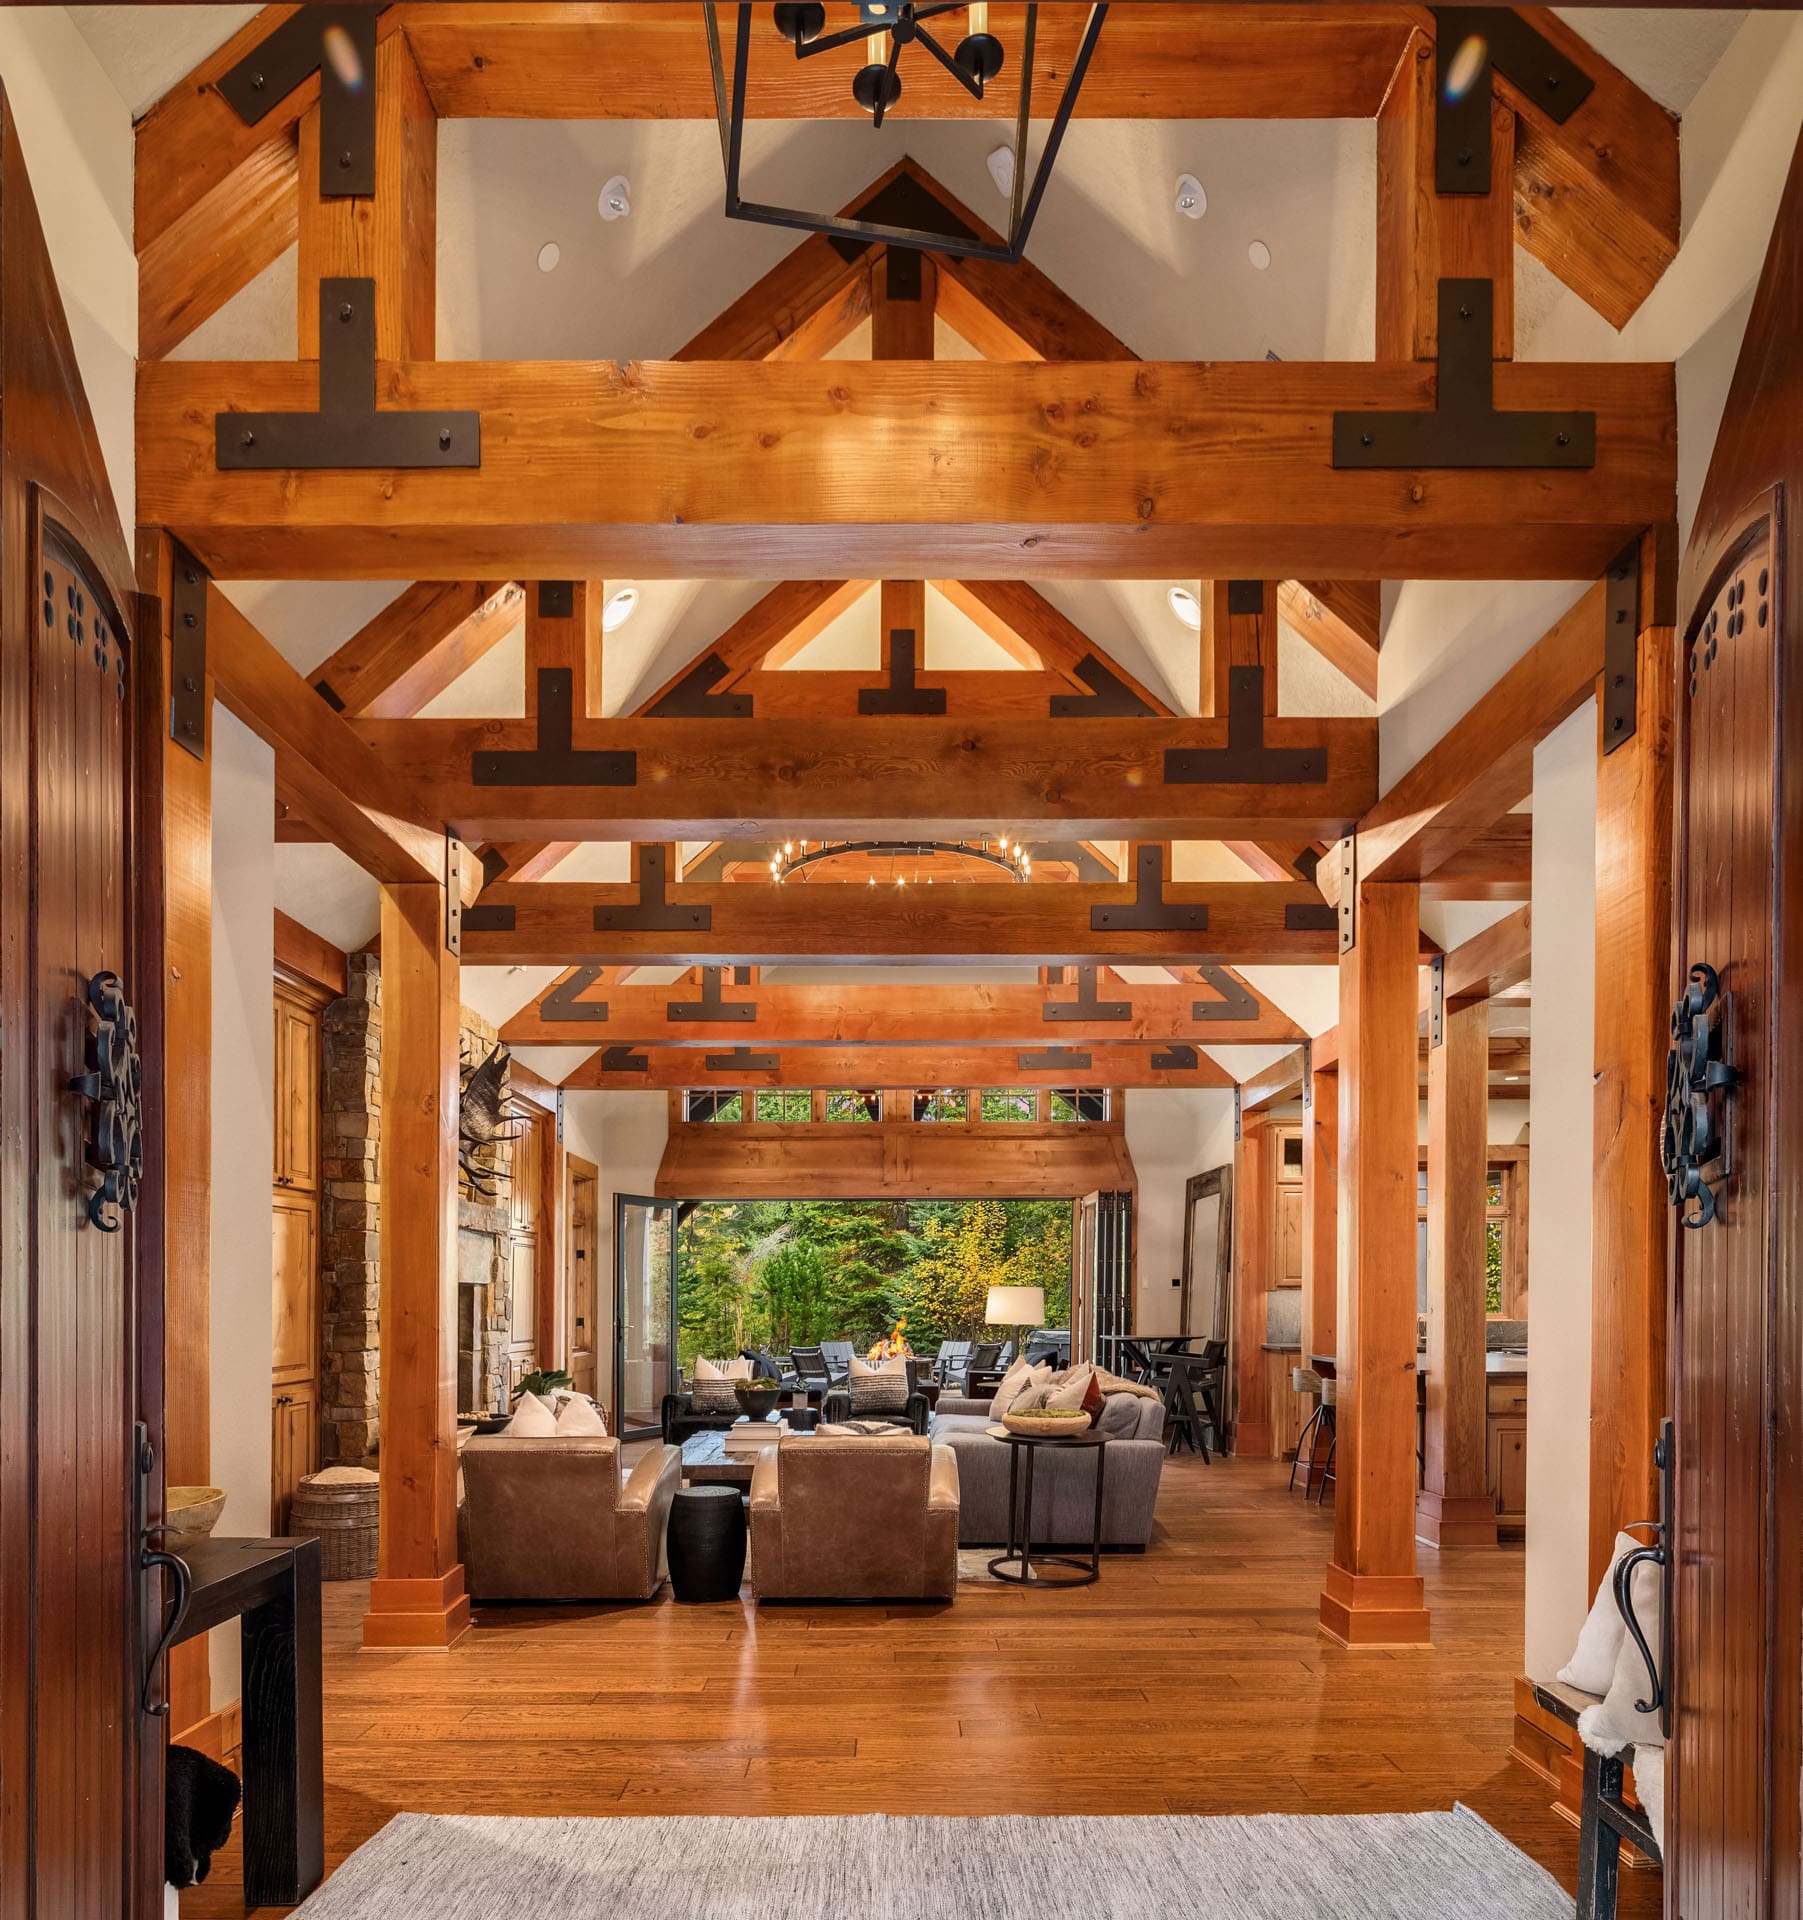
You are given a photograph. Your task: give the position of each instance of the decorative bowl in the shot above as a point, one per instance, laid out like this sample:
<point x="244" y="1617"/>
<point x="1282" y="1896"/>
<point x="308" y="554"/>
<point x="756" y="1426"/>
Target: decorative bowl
<point x="191" y="1513"/>
<point x="1047" y="1423"/>
<point x="758" y="1398"/>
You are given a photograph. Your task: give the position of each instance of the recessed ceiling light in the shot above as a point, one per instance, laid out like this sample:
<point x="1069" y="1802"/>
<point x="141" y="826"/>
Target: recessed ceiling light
<point x="615" y="202"/>
<point x="619" y="609"/>
<point x="1259" y="254"/>
<point x="1187" y="608"/>
<point x="548" y="256"/>
<point x="1001" y="170"/>
<point x="1192" y="201"/>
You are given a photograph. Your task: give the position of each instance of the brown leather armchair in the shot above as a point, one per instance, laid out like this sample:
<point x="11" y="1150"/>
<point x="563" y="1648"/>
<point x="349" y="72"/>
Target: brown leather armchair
<point x="872" y="1518"/>
<point x="549" y="1519"/>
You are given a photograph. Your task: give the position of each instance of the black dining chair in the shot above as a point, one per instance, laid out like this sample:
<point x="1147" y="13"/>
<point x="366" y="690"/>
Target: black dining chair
<point x="811" y="1371"/>
<point x="1190" y="1407"/>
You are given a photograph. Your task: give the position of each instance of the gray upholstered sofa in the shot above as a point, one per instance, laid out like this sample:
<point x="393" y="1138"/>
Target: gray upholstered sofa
<point x="1064" y="1483"/>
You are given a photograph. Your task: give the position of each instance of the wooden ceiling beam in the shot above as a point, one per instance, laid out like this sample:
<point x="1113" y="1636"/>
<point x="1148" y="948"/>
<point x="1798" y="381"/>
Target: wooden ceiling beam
<point x="1497" y="864"/>
<point x="728" y="779"/>
<point x="417" y="646"/>
<point x="832" y="693"/>
<point x="1488" y="964"/>
<point x="530" y="859"/>
<point x="1239" y="629"/>
<point x="890" y="1015"/>
<point x="879" y="1067"/>
<point x="1279" y="1081"/>
<point x="866" y="469"/>
<point x="1483" y="766"/>
<point x="563" y="635"/>
<point x="1339" y="619"/>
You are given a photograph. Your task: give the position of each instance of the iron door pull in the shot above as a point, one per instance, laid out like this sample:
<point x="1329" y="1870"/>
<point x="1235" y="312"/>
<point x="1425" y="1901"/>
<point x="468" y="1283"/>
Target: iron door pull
<point x="150" y="1557"/>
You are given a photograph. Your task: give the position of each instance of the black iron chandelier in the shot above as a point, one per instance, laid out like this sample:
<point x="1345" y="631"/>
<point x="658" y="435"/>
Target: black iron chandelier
<point x="974" y="62"/>
<point x="796" y="855"/>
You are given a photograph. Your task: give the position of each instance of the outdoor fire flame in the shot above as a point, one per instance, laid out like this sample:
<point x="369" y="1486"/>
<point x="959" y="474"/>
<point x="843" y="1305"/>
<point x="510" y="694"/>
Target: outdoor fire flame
<point x="893" y="1347"/>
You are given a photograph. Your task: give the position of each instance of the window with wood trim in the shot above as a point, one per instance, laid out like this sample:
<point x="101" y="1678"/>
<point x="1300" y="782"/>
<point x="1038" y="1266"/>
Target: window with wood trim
<point x="855" y="1105"/>
<point x="1008" y="1104"/>
<point x="712" y="1104"/>
<point x="786" y="1104"/>
<point x="942" y="1103"/>
<point x="1505" y="1234"/>
<point x="1078" y="1103"/>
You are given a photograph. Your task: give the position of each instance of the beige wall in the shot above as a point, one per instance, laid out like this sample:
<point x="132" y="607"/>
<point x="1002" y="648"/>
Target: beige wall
<point x="1172" y="1132"/>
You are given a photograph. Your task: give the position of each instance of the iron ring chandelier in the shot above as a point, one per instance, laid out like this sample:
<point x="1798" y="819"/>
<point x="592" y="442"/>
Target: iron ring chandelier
<point x="794" y="856"/>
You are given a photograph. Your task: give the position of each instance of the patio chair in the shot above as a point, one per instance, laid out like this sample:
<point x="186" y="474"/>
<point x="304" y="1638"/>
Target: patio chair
<point x="838" y="1358"/>
<point x="811" y="1371"/>
<point x="984" y="1355"/>
<point x="950" y="1362"/>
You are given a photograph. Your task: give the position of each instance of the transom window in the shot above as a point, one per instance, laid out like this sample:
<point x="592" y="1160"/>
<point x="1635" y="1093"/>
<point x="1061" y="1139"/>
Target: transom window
<point x="1079" y="1103"/>
<point x="854" y="1105"/>
<point x="784" y="1104"/>
<point x="942" y="1103"/>
<point x="710" y="1104"/>
<point x="1010" y="1103"/>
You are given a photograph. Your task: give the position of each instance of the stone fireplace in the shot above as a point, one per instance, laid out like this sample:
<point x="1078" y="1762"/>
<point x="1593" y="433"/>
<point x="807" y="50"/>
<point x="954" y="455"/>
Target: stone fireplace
<point x="483" y="1301"/>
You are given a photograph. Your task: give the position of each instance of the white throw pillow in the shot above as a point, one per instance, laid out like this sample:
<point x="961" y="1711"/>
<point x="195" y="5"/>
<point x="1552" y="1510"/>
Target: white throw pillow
<point x="723" y="1369"/>
<point x="531" y="1419"/>
<point x="1015" y="1382"/>
<point x="1616" y="1721"/>
<point x="1070" y="1391"/>
<point x="1592" y="1664"/>
<point x="580" y="1416"/>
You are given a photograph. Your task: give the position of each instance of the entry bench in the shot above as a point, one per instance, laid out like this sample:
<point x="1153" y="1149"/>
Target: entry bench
<point x="1606" y="1819"/>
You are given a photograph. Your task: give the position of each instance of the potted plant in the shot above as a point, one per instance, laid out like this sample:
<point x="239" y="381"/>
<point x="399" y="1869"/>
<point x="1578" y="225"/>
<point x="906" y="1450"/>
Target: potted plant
<point x="546" y="1382"/>
<point x="758" y="1398"/>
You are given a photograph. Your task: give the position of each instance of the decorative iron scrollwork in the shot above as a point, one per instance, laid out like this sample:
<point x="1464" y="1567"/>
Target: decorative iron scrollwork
<point x="1698" y="1075"/>
<point x="114" y="1088"/>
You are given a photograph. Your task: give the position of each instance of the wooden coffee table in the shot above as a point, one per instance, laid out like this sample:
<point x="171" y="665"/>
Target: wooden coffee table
<point x="707" y="1463"/>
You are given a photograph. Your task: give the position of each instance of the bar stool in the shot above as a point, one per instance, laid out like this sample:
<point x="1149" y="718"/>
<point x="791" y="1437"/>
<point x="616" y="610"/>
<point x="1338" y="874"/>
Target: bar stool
<point x="1330" y="1392"/>
<point x="1306" y="1380"/>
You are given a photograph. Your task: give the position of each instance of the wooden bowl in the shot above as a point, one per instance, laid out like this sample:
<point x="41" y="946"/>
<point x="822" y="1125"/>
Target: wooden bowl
<point x="1047" y="1426"/>
<point x="191" y="1513"/>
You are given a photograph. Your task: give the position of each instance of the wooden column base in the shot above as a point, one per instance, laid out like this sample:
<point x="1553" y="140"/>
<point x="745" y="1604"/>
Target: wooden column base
<point x="1446" y="1522"/>
<point x="417" y="1613"/>
<point x="1252" y="1439"/>
<point x="1374" y="1609"/>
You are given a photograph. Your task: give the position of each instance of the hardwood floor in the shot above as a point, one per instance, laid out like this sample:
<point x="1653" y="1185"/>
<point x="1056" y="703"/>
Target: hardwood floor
<point x="1190" y="1680"/>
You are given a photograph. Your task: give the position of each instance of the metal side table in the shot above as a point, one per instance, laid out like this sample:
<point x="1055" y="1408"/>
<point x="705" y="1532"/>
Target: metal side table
<point x="1020" y="1563"/>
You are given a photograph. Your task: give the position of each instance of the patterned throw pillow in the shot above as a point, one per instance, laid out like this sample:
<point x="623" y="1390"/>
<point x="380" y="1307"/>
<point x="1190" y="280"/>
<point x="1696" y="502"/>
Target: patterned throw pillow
<point x="881" y="1389"/>
<point x="712" y="1395"/>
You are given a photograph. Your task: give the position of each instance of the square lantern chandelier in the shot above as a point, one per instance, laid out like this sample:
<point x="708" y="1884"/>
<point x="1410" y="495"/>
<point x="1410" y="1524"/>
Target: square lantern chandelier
<point x="889" y="31"/>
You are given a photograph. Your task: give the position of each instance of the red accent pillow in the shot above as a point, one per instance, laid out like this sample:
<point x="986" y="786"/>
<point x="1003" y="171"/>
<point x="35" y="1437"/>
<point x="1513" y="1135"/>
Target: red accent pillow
<point x="1094" y="1397"/>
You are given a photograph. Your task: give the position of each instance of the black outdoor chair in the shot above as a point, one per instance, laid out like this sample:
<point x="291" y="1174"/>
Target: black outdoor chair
<point x="1055" y="1347"/>
<point x="915" y="1416"/>
<point x="984" y="1355"/>
<point x="951" y="1360"/>
<point x="838" y="1355"/>
<point x="811" y="1370"/>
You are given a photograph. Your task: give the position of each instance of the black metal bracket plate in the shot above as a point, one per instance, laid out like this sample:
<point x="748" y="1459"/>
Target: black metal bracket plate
<point x="1522" y="55"/>
<point x="1346" y="914"/>
<point x="348" y="430"/>
<point x="560" y="1116"/>
<point x="1246" y="597"/>
<point x="1245" y="758"/>
<point x="564" y="1003"/>
<point x="902" y="694"/>
<point x="692" y="697"/>
<point x="481" y="919"/>
<point x="653" y="913"/>
<point x="1436" y="1001"/>
<point x="1307" y="918"/>
<point x="453" y="894"/>
<point x="555" y="761"/>
<point x="1621" y="647"/>
<point x="1110" y="697"/>
<point x="624" y="1060"/>
<point x="1149" y="911"/>
<point x="710" y="1009"/>
<point x="557" y="599"/>
<point x="1177" y="1058"/>
<point x="347" y="89"/>
<point x="1308" y="1075"/>
<point x="740" y="1060"/>
<point x="1052" y="1060"/>
<point x="1086" y="1006"/>
<point x="188" y="653"/>
<point x="1236" y="1113"/>
<point x="1464" y="429"/>
<point x="1237" y="1001"/>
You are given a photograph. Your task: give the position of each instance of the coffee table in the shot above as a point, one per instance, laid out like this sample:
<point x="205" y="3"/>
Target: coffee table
<point x="708" y="1461"/>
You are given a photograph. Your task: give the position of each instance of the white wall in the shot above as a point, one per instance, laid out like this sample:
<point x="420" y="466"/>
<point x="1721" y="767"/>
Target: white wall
<point x="76" y="135"/>
<point x="243" y="1319"/>
<point x="1172" y="1133"/>
<point x="1561" y="1114"/>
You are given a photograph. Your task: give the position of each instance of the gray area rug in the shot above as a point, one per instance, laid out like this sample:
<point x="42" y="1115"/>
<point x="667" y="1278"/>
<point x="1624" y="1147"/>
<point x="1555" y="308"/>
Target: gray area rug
<point x="1379" y="1866"/>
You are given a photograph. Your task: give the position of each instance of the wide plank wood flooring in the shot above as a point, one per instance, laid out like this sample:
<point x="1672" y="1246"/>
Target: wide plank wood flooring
<point x="1189" y="1680"/>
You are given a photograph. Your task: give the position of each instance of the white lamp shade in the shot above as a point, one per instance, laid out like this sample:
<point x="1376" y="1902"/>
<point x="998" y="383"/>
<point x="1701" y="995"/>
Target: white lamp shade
<point x="1015" y="1307"/>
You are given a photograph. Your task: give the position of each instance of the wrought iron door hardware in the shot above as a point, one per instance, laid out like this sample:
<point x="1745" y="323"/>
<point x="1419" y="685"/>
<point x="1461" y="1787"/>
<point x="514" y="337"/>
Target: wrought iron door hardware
<point x="1149" y="911"/>
<point x="624" y="1060"/>
<point x="1237" y="1001"/>
<point x="1086" y="1006"/>
<point x="1179" y="1057"/>
<point x="1109" y="698"/>
<point x="653" y="913"/>
<point x="1499" y="38"/>
<point x="692" y="697"/>
<point x="151" y="1558"/>
<point x="1621" y="647"/>
<point x="740" y="1060"/>
<point x="113" y="1086"/>
<point x="346" y="65"/>
<point x="903" y="694"/>
<point x="188" y="653"/>
<point x="1051" y="1060"/>
<point x="1245" y="758"/>
<point x="348" y="430"/>
<point x="1699" y="1075"/>
<point x="555" y="761"/>
<point x="564" y="1001"/>
<point x="1658" y="1554"/>
<point x="1463" y="428"/>
<point x="710" y="1008"/>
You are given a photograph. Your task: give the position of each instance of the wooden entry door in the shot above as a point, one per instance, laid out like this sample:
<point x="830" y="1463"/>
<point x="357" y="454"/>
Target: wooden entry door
<point x="80" y="1762"/>
<point x="585" y="1187"/>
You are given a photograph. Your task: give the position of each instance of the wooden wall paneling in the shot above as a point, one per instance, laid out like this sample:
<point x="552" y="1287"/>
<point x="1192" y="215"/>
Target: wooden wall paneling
<point x="1628" y="1391"/>
<point x="1452" y="1508"/>
<point x="296" y="1264"/>
<point x="1320" y="1212"/>
<point x="1251" y="1278"/>
<point x="418" y="1599"/>
<point x="1246" y="637"/>
<point x="1372" y="1595"/>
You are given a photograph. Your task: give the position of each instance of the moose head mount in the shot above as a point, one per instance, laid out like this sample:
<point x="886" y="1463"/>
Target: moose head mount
<point x="482" y="1117"/>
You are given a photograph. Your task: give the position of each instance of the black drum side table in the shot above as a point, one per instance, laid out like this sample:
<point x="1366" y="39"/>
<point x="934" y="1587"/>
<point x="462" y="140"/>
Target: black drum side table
<point x="1020" y="1563"/>
<point x="707" y="1543"/>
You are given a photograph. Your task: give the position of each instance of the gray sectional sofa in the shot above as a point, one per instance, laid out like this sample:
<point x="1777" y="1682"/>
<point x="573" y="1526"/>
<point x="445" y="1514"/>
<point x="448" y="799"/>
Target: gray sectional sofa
<point x="1064" y="1483"/>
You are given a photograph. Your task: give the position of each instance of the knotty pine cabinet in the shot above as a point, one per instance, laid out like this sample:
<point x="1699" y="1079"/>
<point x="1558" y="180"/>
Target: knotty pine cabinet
<point x="295" y="1248"/>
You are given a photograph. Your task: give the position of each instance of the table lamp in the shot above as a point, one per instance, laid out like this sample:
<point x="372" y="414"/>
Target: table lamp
<point x="1016" y="1307"/>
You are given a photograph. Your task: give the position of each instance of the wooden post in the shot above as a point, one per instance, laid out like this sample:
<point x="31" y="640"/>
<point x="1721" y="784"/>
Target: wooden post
<point x="1320" y="1212"/>
<point x="904" y="604"/>
<point x="569" y="639"/>
<point x="1251" y="1281"/>
<point x="418" y="1598"/>
<point x="903" y="290"/>
<point x="1239" y="629"/>
<point x="1628" y="1230"/>
<point x="1453" y="1508"/>
<point x="1372" y="1595"/>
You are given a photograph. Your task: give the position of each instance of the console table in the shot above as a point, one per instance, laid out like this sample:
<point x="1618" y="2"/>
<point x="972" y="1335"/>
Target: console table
<point x="273" y="1588"/>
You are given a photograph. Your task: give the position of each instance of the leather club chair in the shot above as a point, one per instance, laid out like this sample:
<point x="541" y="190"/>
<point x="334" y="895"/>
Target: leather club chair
<point x="549" y="1519"/>
<point x="872" y="1518"/>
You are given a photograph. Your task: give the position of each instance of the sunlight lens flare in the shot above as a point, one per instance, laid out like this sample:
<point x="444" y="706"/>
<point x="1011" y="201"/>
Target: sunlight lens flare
<point x="1466" y="64"/>
<point x="343" y="58"/>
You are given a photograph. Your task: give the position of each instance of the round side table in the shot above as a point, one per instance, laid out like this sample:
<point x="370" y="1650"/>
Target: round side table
<point x="1020" y="1563"/>
<point x="706" y="1543"/>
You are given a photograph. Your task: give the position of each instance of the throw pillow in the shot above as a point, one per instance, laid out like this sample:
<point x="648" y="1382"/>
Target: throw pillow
<point x="1018" y="1379"/>
<point x="712" y="1393"/>
<point x="1070" y="1389"/>
<point x="531" y="1419"/>
<point x="880" y="1389"/>
<point x="739" y="1369"/>
<point x="1094" y="1399"/>
<point x="1592" y="1664"/>
<point x="1120" y="1416"/>
<point x="581" y="1416"/>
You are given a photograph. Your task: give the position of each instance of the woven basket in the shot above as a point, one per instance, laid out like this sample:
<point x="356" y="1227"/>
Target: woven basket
<point x="343" y="1520"/>
<point x="1043" y="1428"/>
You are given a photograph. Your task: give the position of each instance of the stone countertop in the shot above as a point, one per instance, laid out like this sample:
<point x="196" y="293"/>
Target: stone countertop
<point x="1497" y="1366"/>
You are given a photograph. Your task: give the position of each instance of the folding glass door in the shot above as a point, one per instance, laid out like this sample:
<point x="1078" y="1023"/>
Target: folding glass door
<point x="645" y="1311"/>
